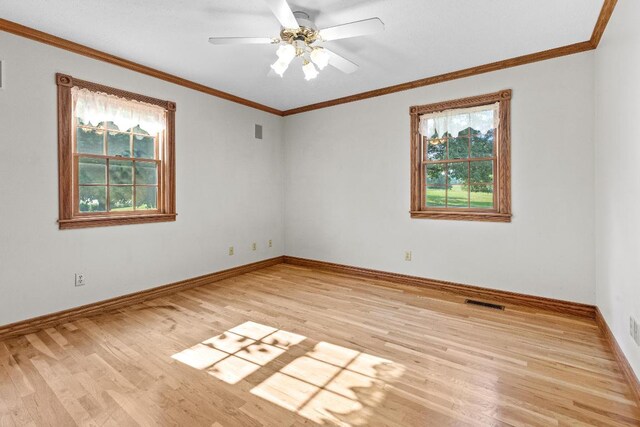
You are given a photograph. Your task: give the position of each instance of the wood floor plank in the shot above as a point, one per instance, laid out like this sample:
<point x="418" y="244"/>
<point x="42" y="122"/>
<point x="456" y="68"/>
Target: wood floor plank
<point x="289" y="345"/>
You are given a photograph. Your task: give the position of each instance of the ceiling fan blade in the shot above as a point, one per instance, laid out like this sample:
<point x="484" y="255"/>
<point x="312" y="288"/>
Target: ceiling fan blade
<point x="240" y="40"/>
<point x="352" y="29"/>
<point x="341" y="63"/>
<point x="283" y="13"/>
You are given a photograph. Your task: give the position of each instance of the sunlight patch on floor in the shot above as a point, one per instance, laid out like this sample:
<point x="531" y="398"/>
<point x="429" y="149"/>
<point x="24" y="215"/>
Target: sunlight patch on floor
<point x="329" y="384"/>
<point x="238" y="352"/>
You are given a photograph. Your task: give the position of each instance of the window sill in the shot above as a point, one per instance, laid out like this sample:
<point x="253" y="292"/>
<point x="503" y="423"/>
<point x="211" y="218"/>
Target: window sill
<point x="464" y="216"/>
<point x="108" y="221"/>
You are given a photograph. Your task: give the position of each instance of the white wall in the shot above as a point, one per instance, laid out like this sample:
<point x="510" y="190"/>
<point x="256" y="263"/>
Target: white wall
<point x="343" y="173"/>
<point x="347" y="187"/>
<point x="617" y="76"/>
<point x="229" y="191"/>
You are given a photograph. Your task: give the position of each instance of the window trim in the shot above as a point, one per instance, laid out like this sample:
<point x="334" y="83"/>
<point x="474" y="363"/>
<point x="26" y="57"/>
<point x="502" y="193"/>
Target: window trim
<point x="69" y="217"/>
<point x="502" y="210"/>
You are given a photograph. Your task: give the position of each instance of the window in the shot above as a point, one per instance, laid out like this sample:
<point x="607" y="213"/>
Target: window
<point x="116" y="156"/>
<point x="460" y="159"/>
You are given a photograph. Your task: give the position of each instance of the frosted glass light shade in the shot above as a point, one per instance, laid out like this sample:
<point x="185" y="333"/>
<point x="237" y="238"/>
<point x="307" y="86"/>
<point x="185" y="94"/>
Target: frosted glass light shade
<point x="280" y="67"/>
<point x="310" y="71"/>
<point x="320" y="57"/>
<point x="286" y="53"/>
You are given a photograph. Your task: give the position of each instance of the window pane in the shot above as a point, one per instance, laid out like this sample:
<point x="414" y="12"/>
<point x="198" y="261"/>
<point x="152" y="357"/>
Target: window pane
<point x="119" y="144"/>
<point x="436" y="196"/>
<point x="92" y="199"/>
<point x="89" y="141"/>
<point x="458" y="173"/>
<point x="146" y="198"/>
<point x="458" y="196"/>
<point x="120" y="172"/>
<point x="432" y="130"/>
<point x="92" y="171"/>
<point x="435" y="175"/>
<point x="143" y="147"/>
<point x="482" y="196"/>
<point x="482" y="171"/>
<point x="146" y="173"/>
<point x="459" y="147"/>
<point x="112" y="126"/>
<point x="138" y="129"/>
<point x="121" y="198"/>
<point x="436" y="149"/>
<point x="482" y="121"/>
<point x="482" y="144"/>
<point x="459" y="124"/>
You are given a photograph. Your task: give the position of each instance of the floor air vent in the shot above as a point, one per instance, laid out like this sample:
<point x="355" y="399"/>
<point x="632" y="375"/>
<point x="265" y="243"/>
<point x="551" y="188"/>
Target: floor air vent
<point x="484" y="304"/>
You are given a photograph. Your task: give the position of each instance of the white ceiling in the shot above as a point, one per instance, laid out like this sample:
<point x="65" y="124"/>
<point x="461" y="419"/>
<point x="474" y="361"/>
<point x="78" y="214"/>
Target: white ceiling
<point x="422" y="38"/>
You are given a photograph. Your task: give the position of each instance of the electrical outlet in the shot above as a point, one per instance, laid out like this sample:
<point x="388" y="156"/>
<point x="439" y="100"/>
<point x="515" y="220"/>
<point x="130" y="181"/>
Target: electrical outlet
<point x="230" y="250"/>
<point x="80" y="279"/>
<point x="407" y="255"/>
<point x="270" y="243"/>
<point x="254" y="246"/>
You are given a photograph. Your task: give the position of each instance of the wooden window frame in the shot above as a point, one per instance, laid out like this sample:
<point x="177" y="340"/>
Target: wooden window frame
<point x="69" y="215"/>
<point x="502" y="173"/>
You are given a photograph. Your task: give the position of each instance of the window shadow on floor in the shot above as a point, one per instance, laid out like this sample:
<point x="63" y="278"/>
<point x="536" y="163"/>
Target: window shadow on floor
<point x="321" y="381"/>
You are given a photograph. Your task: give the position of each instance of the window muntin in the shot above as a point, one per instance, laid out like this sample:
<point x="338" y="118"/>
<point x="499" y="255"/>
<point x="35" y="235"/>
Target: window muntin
<point x="460" y="159"/>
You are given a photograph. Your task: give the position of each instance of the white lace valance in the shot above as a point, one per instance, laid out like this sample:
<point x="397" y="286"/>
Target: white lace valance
<point x="96" y="107"/>
<point x="454" y="121"/>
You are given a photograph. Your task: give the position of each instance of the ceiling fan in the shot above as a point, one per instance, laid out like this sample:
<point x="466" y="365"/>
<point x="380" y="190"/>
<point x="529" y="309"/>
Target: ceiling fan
<point x="300" y="38"/>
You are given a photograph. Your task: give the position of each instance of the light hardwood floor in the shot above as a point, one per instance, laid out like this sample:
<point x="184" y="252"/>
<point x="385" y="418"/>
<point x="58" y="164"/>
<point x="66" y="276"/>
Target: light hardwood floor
<point x="289" y="345"/>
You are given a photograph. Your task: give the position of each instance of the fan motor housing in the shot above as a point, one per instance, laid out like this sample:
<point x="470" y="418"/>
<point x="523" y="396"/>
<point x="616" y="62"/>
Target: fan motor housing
<point x="307" y="33"/>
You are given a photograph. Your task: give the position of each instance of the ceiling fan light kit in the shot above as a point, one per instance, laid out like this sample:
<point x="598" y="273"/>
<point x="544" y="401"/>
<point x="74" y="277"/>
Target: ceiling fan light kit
<point x="299" y="37"/>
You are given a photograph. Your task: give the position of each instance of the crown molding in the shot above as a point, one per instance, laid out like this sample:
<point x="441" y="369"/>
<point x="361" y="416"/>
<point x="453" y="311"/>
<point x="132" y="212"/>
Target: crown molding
<point x="591" y="44"/>
<point x="454" y="75"/>
<point x="42" y="37"/>
<point x="603" y="20"/>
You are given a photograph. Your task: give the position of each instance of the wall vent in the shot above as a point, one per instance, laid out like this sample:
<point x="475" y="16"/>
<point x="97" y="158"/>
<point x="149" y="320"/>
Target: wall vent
<point x="634" y="330"/>
<point x="484" y="304"/>
<point x="258" y="131"/>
